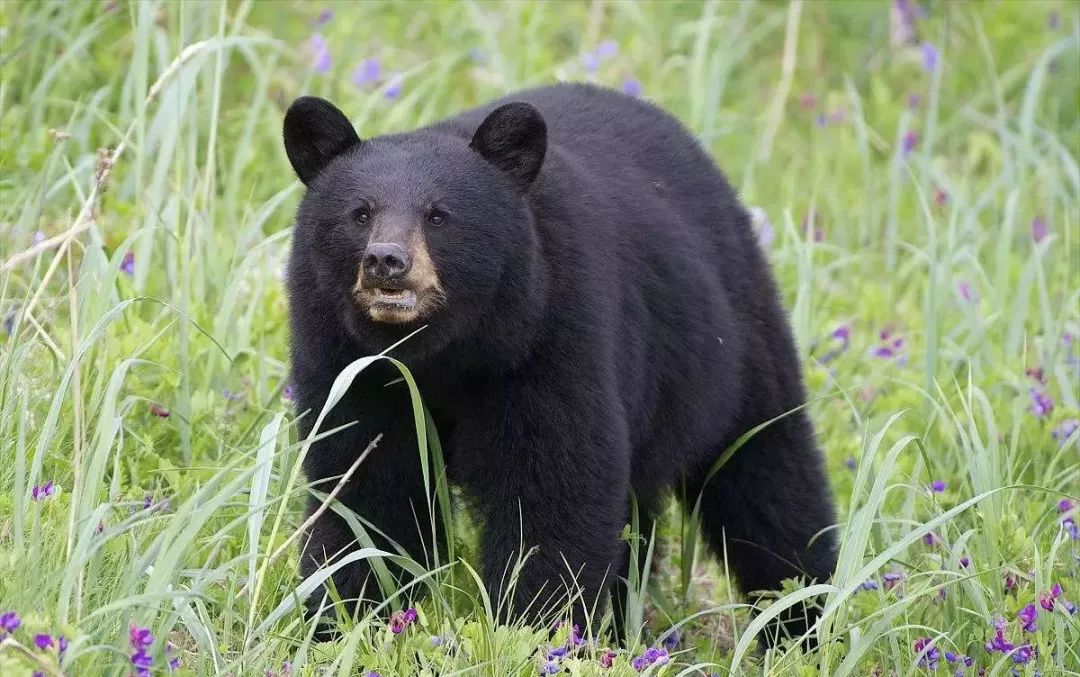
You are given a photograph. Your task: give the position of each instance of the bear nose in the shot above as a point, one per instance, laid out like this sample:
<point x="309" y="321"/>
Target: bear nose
<point x="385" y="261"/>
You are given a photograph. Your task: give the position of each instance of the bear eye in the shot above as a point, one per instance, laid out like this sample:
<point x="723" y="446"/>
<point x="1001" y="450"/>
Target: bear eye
<point x="437" y="218"/>
<point x="362" y="215"/>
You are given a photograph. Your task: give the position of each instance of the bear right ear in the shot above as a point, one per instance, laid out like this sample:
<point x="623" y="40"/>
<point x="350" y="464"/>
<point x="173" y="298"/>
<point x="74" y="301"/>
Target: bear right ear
<point x="315" y="133"/>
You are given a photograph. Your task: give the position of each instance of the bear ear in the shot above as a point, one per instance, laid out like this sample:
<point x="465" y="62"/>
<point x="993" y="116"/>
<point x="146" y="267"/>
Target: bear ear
<point x="514" y="139"/>
<point x="315" y="132"/>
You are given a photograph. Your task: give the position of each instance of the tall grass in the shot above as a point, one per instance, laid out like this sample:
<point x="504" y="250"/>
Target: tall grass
<point x="143" y="352"/>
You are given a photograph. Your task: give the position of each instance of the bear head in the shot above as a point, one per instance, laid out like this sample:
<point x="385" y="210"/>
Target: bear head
<point x="415" y="229"/>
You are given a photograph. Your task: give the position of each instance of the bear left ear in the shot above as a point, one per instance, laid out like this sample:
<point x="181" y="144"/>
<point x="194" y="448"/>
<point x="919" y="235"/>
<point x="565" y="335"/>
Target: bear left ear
<point x="315" y="133"/>
<point x="514" y="139"/>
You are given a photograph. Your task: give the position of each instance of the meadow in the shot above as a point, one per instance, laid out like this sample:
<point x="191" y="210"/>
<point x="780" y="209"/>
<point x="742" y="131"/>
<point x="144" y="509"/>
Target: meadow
<point x="913" y="172"/>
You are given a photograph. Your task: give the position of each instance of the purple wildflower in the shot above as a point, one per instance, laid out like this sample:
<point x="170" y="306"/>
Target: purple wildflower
<point x="1065" y="505"/>
<point x="289" y="393"/>
<point x="575" y="636"/>
<point x="851" y="463"/>
<point x="892" y="579"/>
<point x="393" y="87"/>
<point x="556" y="654"/>
<point x="808" y="100"/>
<point x="1053" y="20"/>
<point x="142" y="661"/>
<point x="632" y="87"/>
<point x="1041" y="403"/>
<point x="914" y="101"/>
<point x="929" y="57"/>
<point x="1069" y="607"/>
<point x="909" y="141"/>
<point x="869" y="584"/>
<point x="159" y="411"/>
<point x="838" y="117"/>
<point x="929" y="654"/>
<point x="400" y="620"/>
<point x="1024" y="654"/>
<point x="941" y="196"/>
<point x="931" y="539"/>
<point x="43" y="641"/>
<point x="39" y="237"/>
<point x="1010" y="582"/>
<point x="1065" y="430"/>
<point x="1036" y="374"/>
<point x="39" y="492"/>
<point x="1039" y="230"/>
<point x="9" y="323"/>
<point x="549" y="668"/>
<point x="938" y="486"/>
<point x="820" y="120"/>
<point x="965" y="561"/>
<point x="966" y="292"/>
<point x="324" y="17"/>
<point x="140" y="638"/>
<point x="127" y="264"/>
<point x="950" y="657"/>
<point x="608" y="49"/>
<point x="1071" y="528"/>
<point x="9" y="623"/>
<point x="1027" y="617"/>
<point x="607" y="658"/>
<point x="62" y="644"/>
<point x="671" y="640"/>
<point x="999" y="643"/>
<point x="639" y="664"/>
<point x="589" y="62"/>
<point x="320" y="53"/>
<point x="367" y="72"/>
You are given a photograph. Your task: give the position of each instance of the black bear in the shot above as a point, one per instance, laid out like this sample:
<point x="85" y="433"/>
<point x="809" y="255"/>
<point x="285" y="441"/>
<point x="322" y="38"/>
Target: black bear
<point x="596" y="321"/>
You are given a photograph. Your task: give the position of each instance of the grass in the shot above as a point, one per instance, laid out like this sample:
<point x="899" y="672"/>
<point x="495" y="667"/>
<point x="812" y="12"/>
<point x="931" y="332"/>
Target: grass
<point x="143" y="351"/>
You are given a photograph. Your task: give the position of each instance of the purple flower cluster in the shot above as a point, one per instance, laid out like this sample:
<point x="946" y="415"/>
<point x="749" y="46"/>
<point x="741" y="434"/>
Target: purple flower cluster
<point x="928" y="653"/>
<point x="908" y="142"/>
<point x="1039" y="229"/>
<point x="607" y="49"/>
<point x="1041" y="403"/>
<point x="321" y="60"/>
<point x="285" y="671"/>
<point x="400" y="620"/>
<point x="9" y="623"/>
<point x="1068" y="522"/>
<point x="1027" y="617"/>
<point x="40" y="492"/>
<point x="554" y="657"/>
<point x="1064" y="431"/>
<point x="892" y="579"/>
<point x="955" y="658"/>
<point x="139" y="640"/>
<point x="840" y="342"/>
<point x="653" y="656"/>
<point x="891" y="346"/>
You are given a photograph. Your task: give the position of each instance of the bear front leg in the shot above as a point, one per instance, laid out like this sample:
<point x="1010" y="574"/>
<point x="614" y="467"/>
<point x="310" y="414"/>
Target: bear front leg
<point x="549" y="484"/>
<point x="386" y="490"/>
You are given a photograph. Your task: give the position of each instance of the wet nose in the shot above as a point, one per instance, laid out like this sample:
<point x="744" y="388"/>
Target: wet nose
<point x="385" y="261"/>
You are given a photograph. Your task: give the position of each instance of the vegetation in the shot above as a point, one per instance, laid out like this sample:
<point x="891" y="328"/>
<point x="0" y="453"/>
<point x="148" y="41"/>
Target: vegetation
<point x="913" y="173"/>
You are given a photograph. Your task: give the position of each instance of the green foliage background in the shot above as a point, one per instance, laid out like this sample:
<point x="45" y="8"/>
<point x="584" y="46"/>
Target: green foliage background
<point x="806" y="106"/>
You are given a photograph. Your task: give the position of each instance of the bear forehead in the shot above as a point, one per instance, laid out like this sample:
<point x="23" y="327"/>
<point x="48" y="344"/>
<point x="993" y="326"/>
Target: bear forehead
<point x="409" y="169"/>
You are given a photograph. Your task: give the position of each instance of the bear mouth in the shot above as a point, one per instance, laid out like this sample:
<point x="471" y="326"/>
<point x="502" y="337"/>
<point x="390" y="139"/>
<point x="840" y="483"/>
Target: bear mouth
<point x="393" y="299"/>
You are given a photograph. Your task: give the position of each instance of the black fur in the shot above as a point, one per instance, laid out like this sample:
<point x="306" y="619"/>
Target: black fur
<point x="609" y="325"/>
